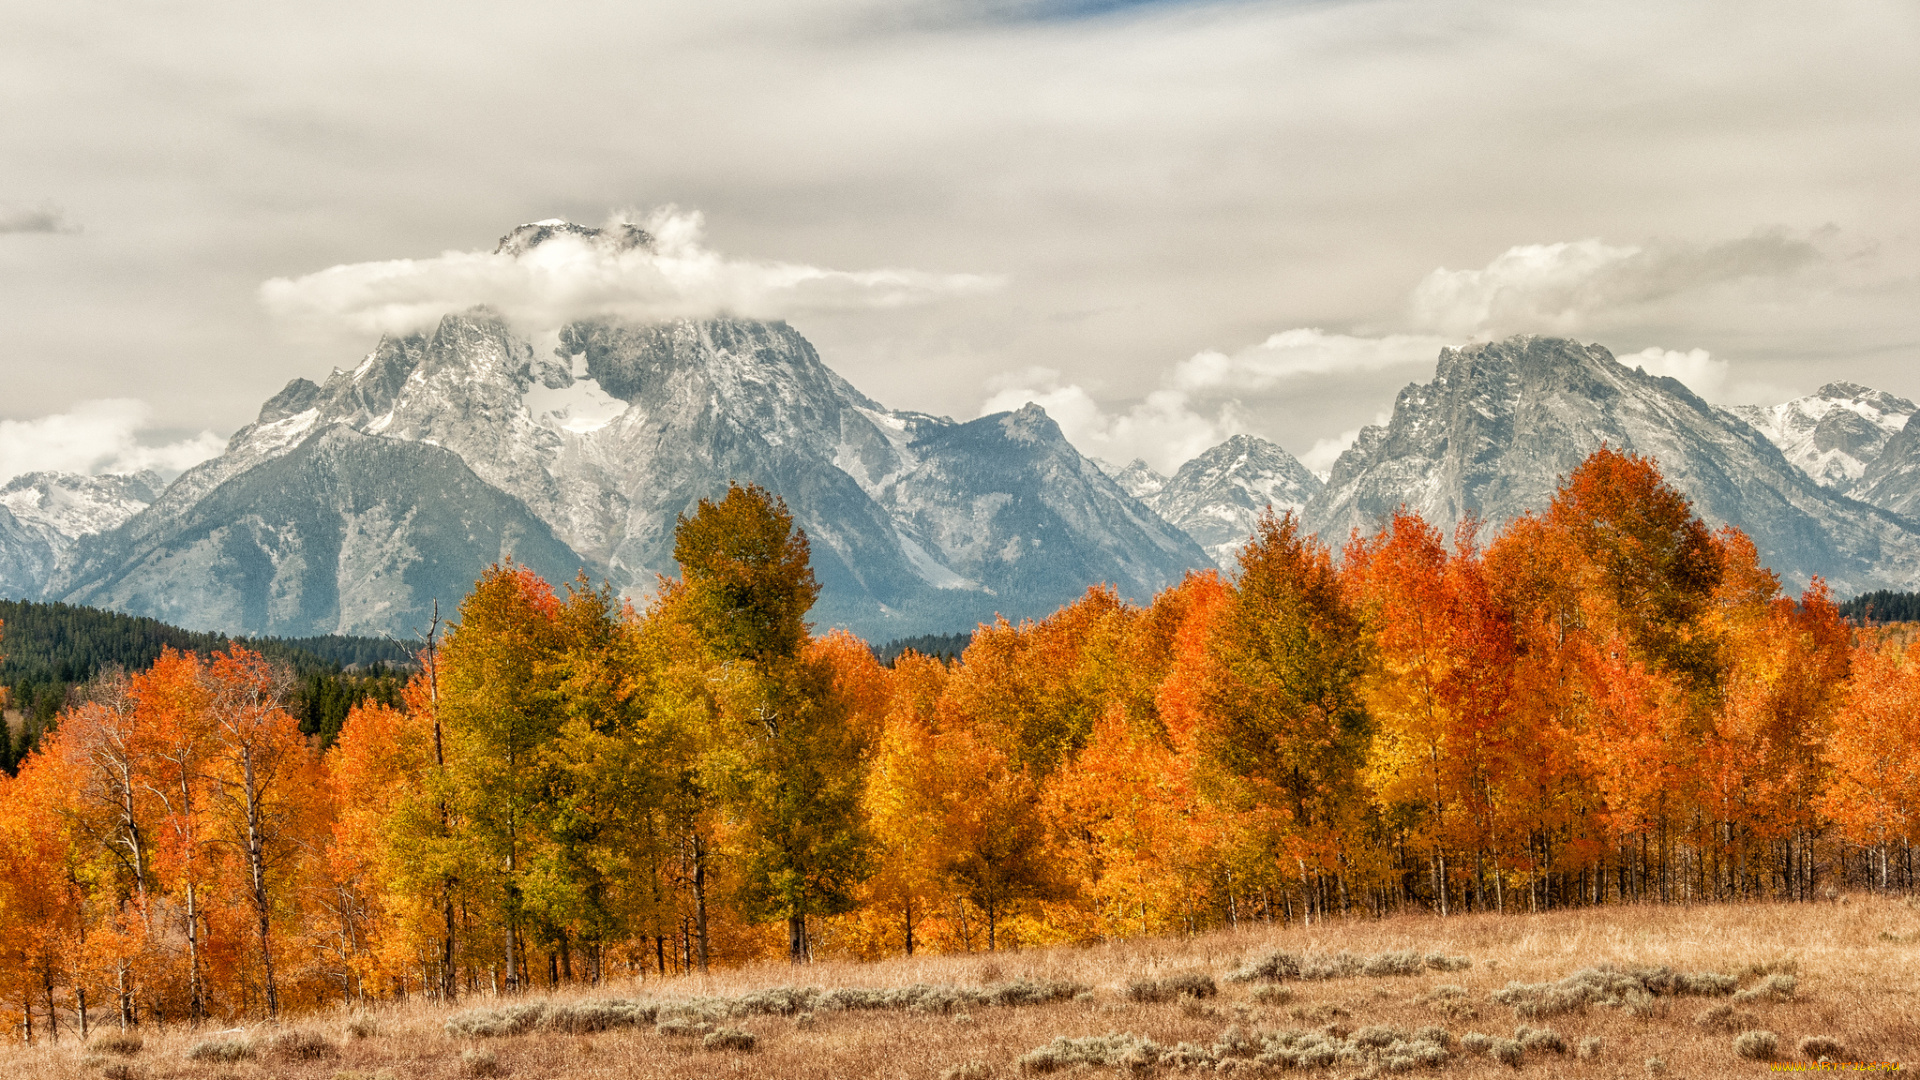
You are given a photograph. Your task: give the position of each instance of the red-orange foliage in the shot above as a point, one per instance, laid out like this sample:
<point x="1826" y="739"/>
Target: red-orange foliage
<point x="1607" y="702"/>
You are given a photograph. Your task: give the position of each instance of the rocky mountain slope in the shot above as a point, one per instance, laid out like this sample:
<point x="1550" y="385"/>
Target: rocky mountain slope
<point x="1834" y="433"/>
<point x="1502" y="422"/>
<point x="1892" y="480"/>
<point x="43" y="514"/>
<point x="581" y="452"/>
<point x="1218" y="497"/>
<point x="347" y="531"/>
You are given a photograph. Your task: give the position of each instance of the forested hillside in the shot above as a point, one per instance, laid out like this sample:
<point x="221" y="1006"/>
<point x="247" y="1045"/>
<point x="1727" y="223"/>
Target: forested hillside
<point x="1607" y="703"/>
<point x="47" y="650"/>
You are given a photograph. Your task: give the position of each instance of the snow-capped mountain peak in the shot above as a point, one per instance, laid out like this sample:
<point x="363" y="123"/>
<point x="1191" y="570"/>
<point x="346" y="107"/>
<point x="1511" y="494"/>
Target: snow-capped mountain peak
<point x="1139" y="480"/>
<point x="74" y="505"/>
<point x="620" y="237"/>
<point x="43" y="515"/>
<point x="1218" y="497"/>
<point x="1835" y="432"/>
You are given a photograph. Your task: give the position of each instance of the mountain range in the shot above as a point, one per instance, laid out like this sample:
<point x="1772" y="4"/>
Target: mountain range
<point x="353" y="504"/>
<point x="349" y="506"/>
<point x="1501" y="423"/>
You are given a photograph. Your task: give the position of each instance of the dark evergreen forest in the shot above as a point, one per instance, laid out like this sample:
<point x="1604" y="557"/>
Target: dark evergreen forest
<point x="1883" y="606"/>
<point x="943" y="647"/>
<point x="48" y="652"/>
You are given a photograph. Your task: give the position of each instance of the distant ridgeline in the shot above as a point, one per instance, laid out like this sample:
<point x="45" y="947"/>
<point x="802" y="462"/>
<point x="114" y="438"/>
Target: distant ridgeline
<point x="47" y="650"/>
<point x="1883" y="606"/>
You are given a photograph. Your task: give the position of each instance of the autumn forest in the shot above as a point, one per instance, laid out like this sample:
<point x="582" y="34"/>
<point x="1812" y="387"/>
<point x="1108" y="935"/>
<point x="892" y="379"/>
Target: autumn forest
<point x="1604" y="703"/>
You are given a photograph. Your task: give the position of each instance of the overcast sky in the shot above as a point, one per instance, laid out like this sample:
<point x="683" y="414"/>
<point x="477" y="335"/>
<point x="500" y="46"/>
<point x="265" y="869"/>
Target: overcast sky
<point x="1166" y="222"/>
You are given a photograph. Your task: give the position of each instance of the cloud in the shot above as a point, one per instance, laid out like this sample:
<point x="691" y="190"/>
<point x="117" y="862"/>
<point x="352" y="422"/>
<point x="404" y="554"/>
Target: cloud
<point x="100" y="436"/>
<point x="1320" y="457"/>
<point x="571" y="276"/>
<point x="1564" y="287"/>
<point x="38" y="219"/>
<point x="1697" y="368"/>
<point x="1165" y="429"/>
<point x="1293" y="353"/>
<point x="1203" y="399"/>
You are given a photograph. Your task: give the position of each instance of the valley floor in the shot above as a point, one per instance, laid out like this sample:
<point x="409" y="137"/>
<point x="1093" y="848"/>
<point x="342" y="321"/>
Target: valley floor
<point x="1858" y="981"/>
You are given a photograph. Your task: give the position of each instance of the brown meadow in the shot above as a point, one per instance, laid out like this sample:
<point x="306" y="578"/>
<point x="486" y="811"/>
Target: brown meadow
<point x="1856" y="983"/>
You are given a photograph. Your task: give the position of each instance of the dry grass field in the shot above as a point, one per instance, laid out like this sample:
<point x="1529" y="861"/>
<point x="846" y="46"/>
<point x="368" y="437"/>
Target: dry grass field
<point x="1855" y="979"/>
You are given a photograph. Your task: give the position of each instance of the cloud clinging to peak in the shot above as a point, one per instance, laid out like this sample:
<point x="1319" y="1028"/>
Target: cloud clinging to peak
<point x="569" y="277"/>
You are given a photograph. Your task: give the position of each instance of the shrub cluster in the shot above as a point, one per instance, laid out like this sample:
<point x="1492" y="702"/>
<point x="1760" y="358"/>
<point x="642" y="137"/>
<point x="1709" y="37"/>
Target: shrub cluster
<point x="1724" y="1017"/>
<point x="1758" y="1045"/>
<point x="1280" y="966"/>
<point x="362" y="1026"/>
<point x="123" y="1043"/>
<point x="1381" y="1049"/>
<point x="686" y="1016"/>
<point x="1821" y="1048"/>
<point x="301" y="1046"/>
<point x="1513" y="1051"/>
<point x="729" y="1039"/>
<point x="1193" y="984"/>
<point x="221" y="1050"/>
<point x="1771" y="988"/>
<point x="1539" y="1039"/>
<point x="1631" y="989"/>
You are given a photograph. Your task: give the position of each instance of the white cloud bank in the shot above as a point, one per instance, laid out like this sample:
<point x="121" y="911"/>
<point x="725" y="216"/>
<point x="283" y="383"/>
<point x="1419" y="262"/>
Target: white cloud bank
<point x="1164" y="430"/>
<point x="1293" y="353"/>
<point x="569" y="277"/>
<point x="101" y="436"/>
<point x="1567" y="287"/>
<point x="1200" y="403"/>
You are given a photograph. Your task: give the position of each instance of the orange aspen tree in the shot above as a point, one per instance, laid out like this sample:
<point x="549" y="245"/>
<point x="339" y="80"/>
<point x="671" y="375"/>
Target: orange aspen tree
<point x="900" y="806"/>
<point x="1873" y="784"/>
<point x="176" y="745"/>
<point x="376" y="774"/>
<point x="266" y="795"/>
<point x="110" y="808"/>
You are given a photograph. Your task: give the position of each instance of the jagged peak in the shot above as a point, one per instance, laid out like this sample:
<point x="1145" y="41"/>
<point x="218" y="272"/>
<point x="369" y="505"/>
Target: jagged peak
<point x="623" y="236"/>
<point x="1030" y="424"/>
<point x="1865" y="395"/>
<point x="295" y="398"/>
<point x="1527" y="346"/>
<point x="1247" y="445"/>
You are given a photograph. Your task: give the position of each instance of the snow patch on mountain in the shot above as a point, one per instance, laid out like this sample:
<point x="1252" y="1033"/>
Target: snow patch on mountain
<point x="70" y="505"/>
<point x="1835" y="432"/>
